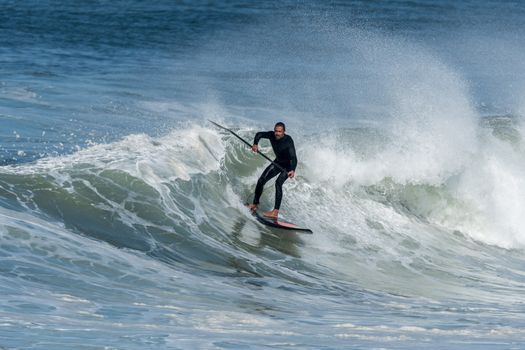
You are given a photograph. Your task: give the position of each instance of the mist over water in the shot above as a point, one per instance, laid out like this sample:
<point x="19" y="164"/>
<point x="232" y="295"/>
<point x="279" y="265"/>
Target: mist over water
<point x="122" y="212"/>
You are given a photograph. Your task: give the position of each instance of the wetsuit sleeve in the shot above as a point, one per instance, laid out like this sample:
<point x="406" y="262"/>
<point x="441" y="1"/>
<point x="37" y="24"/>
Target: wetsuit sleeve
<point x="293" y="157"/>
<point x="262" y="135"/>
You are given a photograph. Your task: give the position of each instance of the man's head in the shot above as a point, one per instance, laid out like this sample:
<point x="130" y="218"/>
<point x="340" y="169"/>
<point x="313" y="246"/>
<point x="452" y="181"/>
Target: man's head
<point x="279" y="130"/>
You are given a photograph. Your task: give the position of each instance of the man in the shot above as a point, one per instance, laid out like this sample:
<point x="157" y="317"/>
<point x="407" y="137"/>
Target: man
<point x="284" y="150"/>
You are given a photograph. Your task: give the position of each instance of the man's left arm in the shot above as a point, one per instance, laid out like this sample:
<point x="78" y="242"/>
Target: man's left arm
<point x="293" y="159"/>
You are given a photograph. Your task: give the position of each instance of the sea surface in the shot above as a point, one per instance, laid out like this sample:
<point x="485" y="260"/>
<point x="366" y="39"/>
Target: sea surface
<point x="122" y="224"/>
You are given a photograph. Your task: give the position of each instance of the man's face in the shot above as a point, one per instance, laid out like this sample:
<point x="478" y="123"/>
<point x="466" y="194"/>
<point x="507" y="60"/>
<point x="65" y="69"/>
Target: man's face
<point x="279" y="132"/>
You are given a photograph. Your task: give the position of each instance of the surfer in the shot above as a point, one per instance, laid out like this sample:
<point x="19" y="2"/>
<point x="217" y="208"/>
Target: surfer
<point x="286" y="161"/>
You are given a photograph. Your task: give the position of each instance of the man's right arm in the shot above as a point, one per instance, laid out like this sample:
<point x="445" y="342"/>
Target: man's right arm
<point x="262" y="135"/>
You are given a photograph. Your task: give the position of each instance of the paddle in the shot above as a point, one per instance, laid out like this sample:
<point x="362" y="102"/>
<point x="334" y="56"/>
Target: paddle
<point x="248" y="144"/>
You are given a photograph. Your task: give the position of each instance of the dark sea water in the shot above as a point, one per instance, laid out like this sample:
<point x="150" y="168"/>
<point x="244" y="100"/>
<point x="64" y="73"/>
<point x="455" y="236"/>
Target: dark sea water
<point x="122" y="223"/>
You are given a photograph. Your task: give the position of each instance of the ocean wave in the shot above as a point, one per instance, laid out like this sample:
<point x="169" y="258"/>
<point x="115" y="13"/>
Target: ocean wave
<point x="179" y="198"/>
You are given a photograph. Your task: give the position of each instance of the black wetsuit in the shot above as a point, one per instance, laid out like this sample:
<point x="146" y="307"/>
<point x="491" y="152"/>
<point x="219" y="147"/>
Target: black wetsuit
<point x="284" y="150"/>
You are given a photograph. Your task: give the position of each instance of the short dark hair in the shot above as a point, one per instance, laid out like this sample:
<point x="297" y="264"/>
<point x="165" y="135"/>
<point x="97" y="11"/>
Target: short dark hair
<point x="280" y="124"/>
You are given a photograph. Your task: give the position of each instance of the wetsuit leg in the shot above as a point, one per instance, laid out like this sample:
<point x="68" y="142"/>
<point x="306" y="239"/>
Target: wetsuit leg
<point x="267" y="174"/>
<point x="279" y="189"/>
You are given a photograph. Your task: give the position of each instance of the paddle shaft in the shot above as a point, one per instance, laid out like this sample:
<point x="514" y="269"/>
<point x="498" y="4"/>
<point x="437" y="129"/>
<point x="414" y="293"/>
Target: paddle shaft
<point x="249" y="145"/>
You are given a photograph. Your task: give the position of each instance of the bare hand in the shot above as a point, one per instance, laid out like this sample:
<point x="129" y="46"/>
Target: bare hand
<point x="255" y="148"/>
<point x="291" y="174"/>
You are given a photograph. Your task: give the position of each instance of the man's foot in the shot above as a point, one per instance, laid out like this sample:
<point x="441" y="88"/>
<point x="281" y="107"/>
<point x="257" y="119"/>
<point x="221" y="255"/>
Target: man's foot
<point x="252" y="207"/>
<point x="272" y="214"/>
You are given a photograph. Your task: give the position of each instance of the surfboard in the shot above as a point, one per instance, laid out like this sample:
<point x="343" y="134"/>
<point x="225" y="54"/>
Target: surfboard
<point x="279" y="223"/>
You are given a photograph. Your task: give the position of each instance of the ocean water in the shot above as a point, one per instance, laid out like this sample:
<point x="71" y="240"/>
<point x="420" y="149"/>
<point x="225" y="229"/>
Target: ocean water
<point x="122" y="223"/>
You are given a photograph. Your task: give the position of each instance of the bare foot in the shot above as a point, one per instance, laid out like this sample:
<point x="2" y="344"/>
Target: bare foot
<point x="252" y="207"/>
<point x="272" y="214"/>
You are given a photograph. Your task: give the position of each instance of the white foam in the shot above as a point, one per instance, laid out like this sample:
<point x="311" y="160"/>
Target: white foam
<point x="469" y="332"/>
<point x="493" y="191"/>
<point x="179" y="154"/>
<point x="432" y="137"/>
<point x="431" y="127"/>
